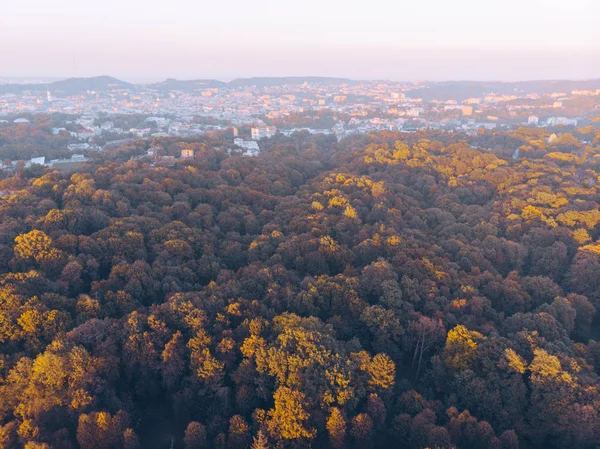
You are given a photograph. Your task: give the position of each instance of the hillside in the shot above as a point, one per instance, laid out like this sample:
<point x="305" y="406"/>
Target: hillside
<point x="404" y="290"/>
<point x="461" y="90"/>
<point x="70" y="86"/>
<point x="185" y="85"/>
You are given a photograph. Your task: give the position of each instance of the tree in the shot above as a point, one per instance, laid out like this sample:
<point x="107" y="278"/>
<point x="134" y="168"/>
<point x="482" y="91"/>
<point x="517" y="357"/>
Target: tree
<point x="101" y="430"/>
<point x="385" y="329"/>
<point x="461" y="347"/>
<point x="37" y="246"/>
<point x="239" y="432"/>
<point x="195" y="436"/>
<point x="260" y="441"/>
<point x="425" y="333"/>
<point x="336" y="427"/>
<point x="376" y="410"/>
<point x="36" y="445"/>
<point x="288" y="420"/>
<point x="553" y="389"/>
<point x="382" y="372"/>
<point x="509" y="439"/>
<point x="130" y="439"/>
<point x="33" y="245"/>
<point x="584" y="314"/>
<point x="361" y="428"/>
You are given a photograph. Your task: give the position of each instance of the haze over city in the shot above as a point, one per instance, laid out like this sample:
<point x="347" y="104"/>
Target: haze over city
<point x="431" y="39"/>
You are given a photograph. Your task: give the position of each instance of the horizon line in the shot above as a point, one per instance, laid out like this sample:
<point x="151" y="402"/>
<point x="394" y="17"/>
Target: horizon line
<point x="229" y="80"/>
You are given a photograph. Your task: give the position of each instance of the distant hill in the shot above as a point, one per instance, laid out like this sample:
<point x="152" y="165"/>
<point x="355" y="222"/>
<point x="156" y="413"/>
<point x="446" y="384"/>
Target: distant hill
<point x="192" y="85"/>
<point x="71" y="86"/>
<point x="185" y="86"/>
<point x="448" y="90"/>
<point x="282" y="81"/>
<point x="75" y="86"/>
<point x="98" y="83"/>
<point x="28" y="80"/>
<point x="461" y="90"/>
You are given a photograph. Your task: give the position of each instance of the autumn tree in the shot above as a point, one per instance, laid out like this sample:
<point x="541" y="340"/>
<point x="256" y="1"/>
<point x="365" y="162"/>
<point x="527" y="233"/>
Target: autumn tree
<point x="336" y="427"/>
<point x="289" y="419"/>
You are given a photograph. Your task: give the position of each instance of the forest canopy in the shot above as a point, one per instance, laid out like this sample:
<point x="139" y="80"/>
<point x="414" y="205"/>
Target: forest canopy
<point x="391" y="290"/>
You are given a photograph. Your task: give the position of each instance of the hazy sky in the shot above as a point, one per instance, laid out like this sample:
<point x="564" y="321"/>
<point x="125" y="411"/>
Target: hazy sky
<point x="143" y="40"/>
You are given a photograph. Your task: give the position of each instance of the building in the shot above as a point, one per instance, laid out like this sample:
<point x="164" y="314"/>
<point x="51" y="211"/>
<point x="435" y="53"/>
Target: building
<point x="250" y="146"/>
<point x="37" y="161"/>
<point x="262" y="131"/>
<point x="68" y="164"/>
<point x="493" y="98"/>
<point x="466" y="110"/>
<point x="187" y="154"/>
<point x="78" y="146"/>
<point x="566" y="121"/>
<point x="140" y="132"/>
<point x="553" y="121"/>
<point x="587" y="93"/>
<point x="533" y="120"/>
<point x="414" y="112"/>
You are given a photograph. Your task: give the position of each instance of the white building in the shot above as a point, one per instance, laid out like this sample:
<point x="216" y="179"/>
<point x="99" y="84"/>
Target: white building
<point x="553" y="121"/>
<point x="566" y="121"/>
<point x="140" y="132"/>
<point x="262" y="131"/>
<point x="78" y="146"/>
<point x="36" y="160"/>
<point x="250" y="146"/>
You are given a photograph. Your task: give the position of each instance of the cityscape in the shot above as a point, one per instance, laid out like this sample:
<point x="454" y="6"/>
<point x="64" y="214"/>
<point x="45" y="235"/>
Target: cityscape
<point x="265" y="107"/>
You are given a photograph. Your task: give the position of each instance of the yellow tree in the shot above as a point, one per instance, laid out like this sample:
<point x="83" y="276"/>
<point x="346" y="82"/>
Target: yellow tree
<point x="336" y="427"/>
<point x="461" y="347"/>
<point x="36" y="245"/>
<point x="382" y="372"/>
<point x="288" y="420"/>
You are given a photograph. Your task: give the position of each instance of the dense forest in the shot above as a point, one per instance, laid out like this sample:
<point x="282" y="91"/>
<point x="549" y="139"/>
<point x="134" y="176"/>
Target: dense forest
<point x="392" y="290"/>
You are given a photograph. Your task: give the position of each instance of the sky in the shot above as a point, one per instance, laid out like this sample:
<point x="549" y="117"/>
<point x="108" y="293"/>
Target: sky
<point x="149" y="40"/>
